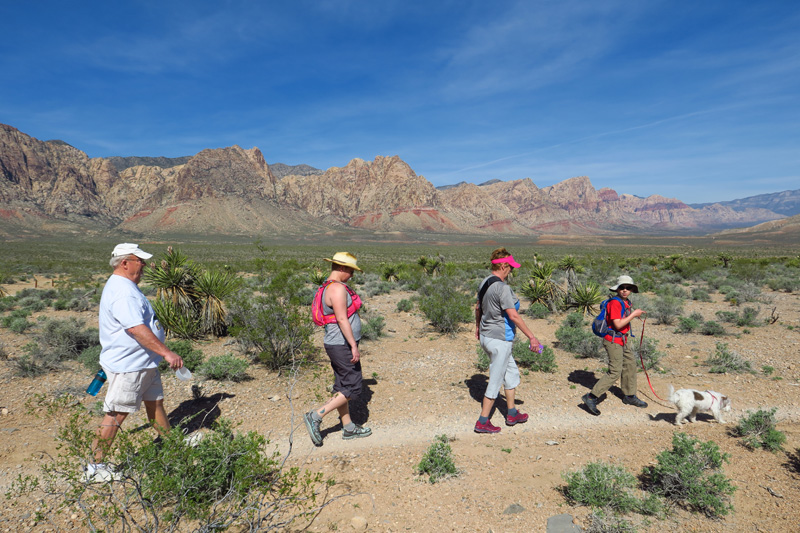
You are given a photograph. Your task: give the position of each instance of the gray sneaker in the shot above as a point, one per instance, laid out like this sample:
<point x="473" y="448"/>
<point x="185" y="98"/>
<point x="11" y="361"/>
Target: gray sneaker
<point x="313" y="429"/>
<point x="357" y="433"/>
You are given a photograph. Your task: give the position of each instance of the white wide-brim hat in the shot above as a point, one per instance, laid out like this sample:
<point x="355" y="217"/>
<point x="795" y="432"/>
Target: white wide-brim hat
<point x="344" y="259"/>
<point x="127" y="248"/>
<point x="624" y="280"/>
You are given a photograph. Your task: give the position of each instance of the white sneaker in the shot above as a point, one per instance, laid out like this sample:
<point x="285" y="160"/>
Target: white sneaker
<point x="100" y="473"/>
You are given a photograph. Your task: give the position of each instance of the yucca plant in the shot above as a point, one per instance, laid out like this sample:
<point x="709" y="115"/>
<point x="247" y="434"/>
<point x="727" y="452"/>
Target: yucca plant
<point x="585" y="297"/>
<point x="176" y="322"/>
<point x="212" y="287"/>
<point x="542" y="289"/>
<point x="570" y="266"/>
<point x="390" y="272"/>
<point x="317" y="277"/>
<point x="174" y="279"/>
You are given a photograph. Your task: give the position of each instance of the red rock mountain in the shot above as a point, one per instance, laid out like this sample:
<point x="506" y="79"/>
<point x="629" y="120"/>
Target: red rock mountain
<point x="231" y="191"/>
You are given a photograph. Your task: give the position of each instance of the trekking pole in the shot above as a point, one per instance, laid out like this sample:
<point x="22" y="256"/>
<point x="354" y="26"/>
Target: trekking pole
<point x="641" y="340"/>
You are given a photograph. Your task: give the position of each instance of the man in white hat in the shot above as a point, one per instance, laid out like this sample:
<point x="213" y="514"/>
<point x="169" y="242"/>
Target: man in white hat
<point x="342" y="333"/>
<point x="621" y="360"/>
<point x="132" y="343"/>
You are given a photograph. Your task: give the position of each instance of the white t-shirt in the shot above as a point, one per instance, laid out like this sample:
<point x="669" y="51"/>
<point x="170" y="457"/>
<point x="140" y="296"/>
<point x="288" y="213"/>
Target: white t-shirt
<point x="123" y="306"/>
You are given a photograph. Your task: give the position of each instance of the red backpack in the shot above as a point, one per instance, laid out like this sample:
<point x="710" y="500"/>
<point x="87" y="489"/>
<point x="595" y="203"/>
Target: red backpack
<point x="317" y="314"/>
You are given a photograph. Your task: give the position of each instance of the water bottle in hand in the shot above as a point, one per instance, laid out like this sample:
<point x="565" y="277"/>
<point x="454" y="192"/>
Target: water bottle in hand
<point x="97" y="383"/>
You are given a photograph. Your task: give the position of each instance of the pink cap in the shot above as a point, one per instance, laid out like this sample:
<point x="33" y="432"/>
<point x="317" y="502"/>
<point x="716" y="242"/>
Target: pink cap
<point x="509" y="260"/>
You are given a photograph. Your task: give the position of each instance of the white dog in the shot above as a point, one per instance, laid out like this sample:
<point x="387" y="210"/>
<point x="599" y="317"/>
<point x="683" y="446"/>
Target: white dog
<point x="689" y="402"/>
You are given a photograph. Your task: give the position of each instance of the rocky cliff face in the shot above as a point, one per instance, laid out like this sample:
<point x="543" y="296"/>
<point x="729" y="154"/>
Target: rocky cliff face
<point x="233" y="191"/>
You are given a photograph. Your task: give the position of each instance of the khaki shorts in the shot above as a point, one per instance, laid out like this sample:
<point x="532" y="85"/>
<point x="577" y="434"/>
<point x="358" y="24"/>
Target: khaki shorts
<point x="127" y="390"/>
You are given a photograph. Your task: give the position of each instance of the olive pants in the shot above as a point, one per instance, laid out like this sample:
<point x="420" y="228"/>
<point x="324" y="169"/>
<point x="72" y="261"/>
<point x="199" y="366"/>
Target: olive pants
<point x="621" y="363"/>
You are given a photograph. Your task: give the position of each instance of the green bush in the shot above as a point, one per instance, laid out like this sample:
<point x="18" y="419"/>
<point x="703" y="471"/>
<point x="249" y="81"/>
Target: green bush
<point x="536" y="362"/>
<point x="691" y="475"/>
<point x="226" y="367"/>
<point x="226" y="480"/>
<point x="445" y="306"/>
<point x="724" y="360"/>
<point x="438" y="462"/>
<point x="575" y="336"/>
<point x="192" y="358"/>
<point x="701" y="295"/>
<point x="90" y="358"/>
<point x="601" y="521"/>
<point x="276" y="331"/>
<point x="712" y="328"/>
<point x="538" y="310"/>
<point x="649" y="353"/>
<point x="758" y="430"/>
<point x="372" y="327"/>
<point x="57" y="341"/>
<point x="602" y="485"/>
<point x="483" y="361"/>
<point x="405" y="305"/>
<point x="688" y="324"/>
<point x="665" y="309"/>
<point x="17" y="324"/>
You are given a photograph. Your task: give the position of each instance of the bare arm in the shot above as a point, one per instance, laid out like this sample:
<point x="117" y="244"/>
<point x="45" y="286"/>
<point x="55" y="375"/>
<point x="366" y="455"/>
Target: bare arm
<point x="337" y="295"/>
<point x="620" y="323"/>
<point x="147" y="339"/>
<point x="514" y="317"/>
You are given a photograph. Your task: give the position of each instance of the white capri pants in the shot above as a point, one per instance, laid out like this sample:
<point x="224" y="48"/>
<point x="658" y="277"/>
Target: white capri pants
<point x="503" y="369"/>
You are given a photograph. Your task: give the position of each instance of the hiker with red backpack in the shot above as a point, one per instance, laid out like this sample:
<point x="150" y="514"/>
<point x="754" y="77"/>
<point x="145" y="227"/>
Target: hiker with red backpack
<point x="336" y="308"/>
<point x="621" y="359"/>
<point x="496" y="319"/>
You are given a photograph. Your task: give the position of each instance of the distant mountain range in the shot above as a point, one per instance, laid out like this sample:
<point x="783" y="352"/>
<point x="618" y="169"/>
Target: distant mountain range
<point x="51" y="186"/>
<point x="784" y="203"/>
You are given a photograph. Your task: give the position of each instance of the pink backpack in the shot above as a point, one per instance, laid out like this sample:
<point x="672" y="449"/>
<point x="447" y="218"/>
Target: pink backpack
<point x="317" y="314"/>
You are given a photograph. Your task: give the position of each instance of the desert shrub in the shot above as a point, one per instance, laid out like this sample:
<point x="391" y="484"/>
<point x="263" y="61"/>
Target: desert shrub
<point x="226" y="480"/>
<point x="665" y="309"/>
<point x="445" y="306"/>
<point x="17" y="324"/>
<point x="65" y="339"/>
<point x="668" y="289"/>
<point x="374" y="287"/>
<point x="726" y="289"/>
<point x="602" y="485"/>
<point x="605" y="521"/>
<point x="748" y="292"/>
<point x="584" y="297"/>
<point x="575" y="336"/>
<point x="372" y="326"/>
<point x="405" y="305"/>
<point x="701" y="295"/>
<point x="758" y="430"/>
<point x="648" y="352"/>
<point x="688" y="324"/>
<point x="691" y="475"/>
<point x="275" y="331"/>
<point x="724" y="360"/>
<point x="225" y="367"/>
<point x="438" y="462"/>
<point x="32" y="304"/>
<point x="192" y="358"/>
<point x="90" y="357"/>
<point x="746" y="318"/>
<point x="712" y="328"/>
<point x="483" y="361"/>
<point x="27" y="367"/>
<point x="538" y="310"/>
<point x="537" y="362"/>
<point x="784" y="283"/>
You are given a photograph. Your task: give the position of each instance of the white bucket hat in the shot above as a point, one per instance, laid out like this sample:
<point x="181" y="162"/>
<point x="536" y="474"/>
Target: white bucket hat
<point x="624" y="280"/>
<point x="344" y="259"/>
<point x="127" y="248"/>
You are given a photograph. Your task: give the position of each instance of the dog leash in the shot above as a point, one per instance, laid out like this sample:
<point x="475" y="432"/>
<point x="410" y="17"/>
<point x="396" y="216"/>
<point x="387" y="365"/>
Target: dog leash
<point x="641" y="340"/>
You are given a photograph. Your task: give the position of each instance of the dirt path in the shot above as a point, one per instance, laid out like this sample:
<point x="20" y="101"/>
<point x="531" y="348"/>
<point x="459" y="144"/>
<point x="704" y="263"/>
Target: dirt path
<point x="419" y="384"/>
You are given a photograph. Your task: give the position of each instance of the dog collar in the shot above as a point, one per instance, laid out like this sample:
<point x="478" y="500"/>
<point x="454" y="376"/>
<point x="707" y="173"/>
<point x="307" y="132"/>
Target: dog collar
<point x="712" y="397"/>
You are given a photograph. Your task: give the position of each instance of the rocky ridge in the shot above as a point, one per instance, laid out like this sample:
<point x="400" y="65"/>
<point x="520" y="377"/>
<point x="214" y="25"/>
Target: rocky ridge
<point x="234" y="191"/>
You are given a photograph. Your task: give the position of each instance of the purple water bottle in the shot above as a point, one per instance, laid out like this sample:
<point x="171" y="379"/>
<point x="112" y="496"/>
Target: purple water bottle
<point x="97" y="383"/>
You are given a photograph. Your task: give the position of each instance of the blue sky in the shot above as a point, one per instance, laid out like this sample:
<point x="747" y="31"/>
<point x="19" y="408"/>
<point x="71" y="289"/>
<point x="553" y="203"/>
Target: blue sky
<point x="694" y="100"/>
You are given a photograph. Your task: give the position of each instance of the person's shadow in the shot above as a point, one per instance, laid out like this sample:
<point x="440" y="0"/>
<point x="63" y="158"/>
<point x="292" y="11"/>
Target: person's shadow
<point x="359" y="407"/>
<point x="197" y="413"/>
<point x="477" y="385"/>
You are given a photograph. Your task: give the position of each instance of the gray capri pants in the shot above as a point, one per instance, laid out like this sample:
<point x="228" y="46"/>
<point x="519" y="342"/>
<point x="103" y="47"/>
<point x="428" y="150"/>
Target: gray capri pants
<point x="503" y="369"/>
